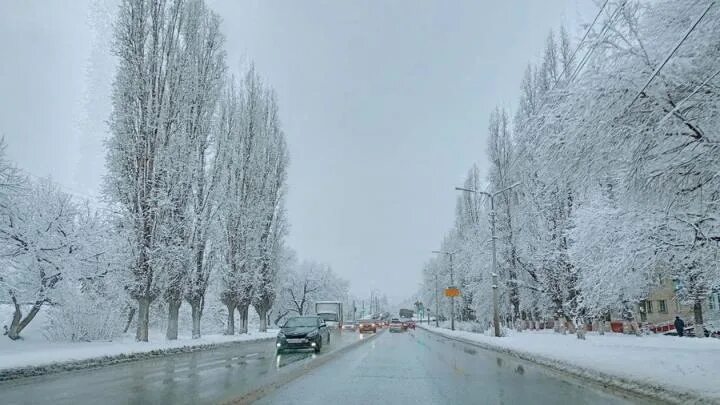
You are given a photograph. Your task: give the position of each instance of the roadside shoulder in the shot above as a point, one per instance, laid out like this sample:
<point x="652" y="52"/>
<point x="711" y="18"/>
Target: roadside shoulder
<point x="115" y="353"/>
<point x="643" y="386"/>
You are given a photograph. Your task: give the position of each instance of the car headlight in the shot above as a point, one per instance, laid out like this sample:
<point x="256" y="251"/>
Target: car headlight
<point x="281" y="335"/>
<point x="312" y="334"/>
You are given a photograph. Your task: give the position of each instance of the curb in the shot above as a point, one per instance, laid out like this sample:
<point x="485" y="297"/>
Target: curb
<point x="643" y="389"/>
<point x="97" y="362"/>
<point x="295" y="373"/>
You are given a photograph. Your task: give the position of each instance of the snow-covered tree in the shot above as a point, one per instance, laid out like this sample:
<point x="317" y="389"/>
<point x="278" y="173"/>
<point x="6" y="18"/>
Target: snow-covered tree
<point x="145" y="127"/>
<point x="613" y="145"/>
<point x="308" y="283"/>
<point x="40" y="243"/>
<point x="203" y="78"/>
<point x="253" y="218"/>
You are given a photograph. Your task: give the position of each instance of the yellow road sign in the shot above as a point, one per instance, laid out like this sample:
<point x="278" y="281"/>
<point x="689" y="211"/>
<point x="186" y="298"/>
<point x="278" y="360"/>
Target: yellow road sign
<point x="452" y="292"/>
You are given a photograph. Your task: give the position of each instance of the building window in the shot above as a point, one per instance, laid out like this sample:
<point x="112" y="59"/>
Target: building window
<point x="648" y="307"/>
<point x="711" y="302"/>
<point x="663" y="307"/>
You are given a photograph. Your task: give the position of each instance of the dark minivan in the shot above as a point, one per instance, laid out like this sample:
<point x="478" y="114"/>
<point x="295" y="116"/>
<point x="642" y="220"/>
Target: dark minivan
<point x="303" y="332"/>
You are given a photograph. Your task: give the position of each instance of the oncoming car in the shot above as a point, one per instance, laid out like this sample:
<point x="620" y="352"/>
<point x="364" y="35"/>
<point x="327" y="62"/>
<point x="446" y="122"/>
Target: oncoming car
<point x="349" y="325"/>
<point x="367" y="325"/>
<point x="303" y="332"/>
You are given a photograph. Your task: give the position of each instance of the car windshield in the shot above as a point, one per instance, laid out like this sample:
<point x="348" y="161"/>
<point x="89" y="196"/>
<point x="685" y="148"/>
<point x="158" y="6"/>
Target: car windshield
<point x="300" y="322"/>
<point x="269" y="183"/>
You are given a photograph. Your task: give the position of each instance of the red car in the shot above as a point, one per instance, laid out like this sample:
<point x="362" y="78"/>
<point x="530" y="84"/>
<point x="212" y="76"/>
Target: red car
<point x="410" y="324"/>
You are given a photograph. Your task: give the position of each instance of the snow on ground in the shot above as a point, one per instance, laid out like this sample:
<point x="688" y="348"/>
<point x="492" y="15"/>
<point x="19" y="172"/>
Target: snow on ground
<point x="38" y="352"/>
<point x="34" y="349"/>
<point x="674" y="363"/>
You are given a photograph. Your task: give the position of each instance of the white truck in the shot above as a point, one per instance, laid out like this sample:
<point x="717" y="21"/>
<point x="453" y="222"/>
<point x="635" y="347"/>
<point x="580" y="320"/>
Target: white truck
<point x="331" y="312"/>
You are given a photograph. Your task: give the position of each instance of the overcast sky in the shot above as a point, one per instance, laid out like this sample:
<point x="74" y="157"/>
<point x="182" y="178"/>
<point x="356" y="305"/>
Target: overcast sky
<point x="384" y="103"/>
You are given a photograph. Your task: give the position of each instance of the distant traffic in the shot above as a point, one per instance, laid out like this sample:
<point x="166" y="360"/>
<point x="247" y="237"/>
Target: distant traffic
<point x="312" y="332"/>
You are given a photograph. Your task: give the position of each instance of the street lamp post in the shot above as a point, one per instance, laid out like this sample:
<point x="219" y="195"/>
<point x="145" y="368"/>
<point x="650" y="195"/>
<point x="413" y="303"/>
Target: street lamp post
<point x="496" y="318"/>
<point x="491" y="196"/>
<point x="437" y="303"/>
<point x="452" y="284"/>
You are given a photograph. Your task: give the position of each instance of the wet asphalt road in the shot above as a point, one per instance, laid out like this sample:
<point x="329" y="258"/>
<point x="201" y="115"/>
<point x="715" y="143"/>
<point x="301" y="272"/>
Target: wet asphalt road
<point x="418" y="367"/>
<point x="412" y="368"/>
<point x="195" y="378"/>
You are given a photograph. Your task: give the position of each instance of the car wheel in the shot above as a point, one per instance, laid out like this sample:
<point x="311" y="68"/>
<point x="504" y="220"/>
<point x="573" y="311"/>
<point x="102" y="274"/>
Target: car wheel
<point x="328" y="339"/>
<point x="318" y="346"/>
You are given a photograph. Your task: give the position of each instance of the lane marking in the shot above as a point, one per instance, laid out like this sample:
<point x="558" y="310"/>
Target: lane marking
<point x="296" y="370"/>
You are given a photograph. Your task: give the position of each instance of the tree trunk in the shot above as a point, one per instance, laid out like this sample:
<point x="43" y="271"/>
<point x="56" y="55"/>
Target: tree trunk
<point x="246" y="319"/>
<point x="697" y="310"/>
<point x="263" y="319"/>
<point x="569" y="325"/>
<point x="131" y="315"/>
<point x="635" y="327"/>
<point x="231" y="319"/>
<point x="141" y="335"/>
<point x="18" y="322"/>
<point x="557" y="326"/>
<point x="172" y="327"/>
<point x="243" y="310"/>
<point x="196" y="306"/>
<point x="581" y="330"/>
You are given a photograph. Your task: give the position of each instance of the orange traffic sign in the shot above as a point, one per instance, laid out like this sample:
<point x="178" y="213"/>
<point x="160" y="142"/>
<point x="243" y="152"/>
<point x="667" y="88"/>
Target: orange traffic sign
<point x="452" y="292"/>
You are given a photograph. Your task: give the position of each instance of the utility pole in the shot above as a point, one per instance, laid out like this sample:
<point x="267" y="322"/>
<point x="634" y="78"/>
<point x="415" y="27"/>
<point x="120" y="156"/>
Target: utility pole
<point x="372" y="302"/>
<point x="496" y="317"/>
<point x="491" y="196"/>
<point x="452" y="284"/>
<point x="437" y="303"/>
<point x="452" y="299"/>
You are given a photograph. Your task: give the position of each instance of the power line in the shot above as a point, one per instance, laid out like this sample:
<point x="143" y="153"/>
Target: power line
<point x="579" y="45"/>
<point x="670" y="55"/>
<point x="603" y="31"/>
<point x="605" y="28"/>
<point x="700" y="86"/>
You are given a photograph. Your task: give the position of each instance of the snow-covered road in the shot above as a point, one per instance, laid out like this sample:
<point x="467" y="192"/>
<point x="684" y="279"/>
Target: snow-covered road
<point x="421" y="368"/>
<point x="201" y="377"/>
<point x="416" y="367"/>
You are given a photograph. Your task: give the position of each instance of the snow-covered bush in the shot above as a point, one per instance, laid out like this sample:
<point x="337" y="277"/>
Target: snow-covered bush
<point x="84" y="318"/>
